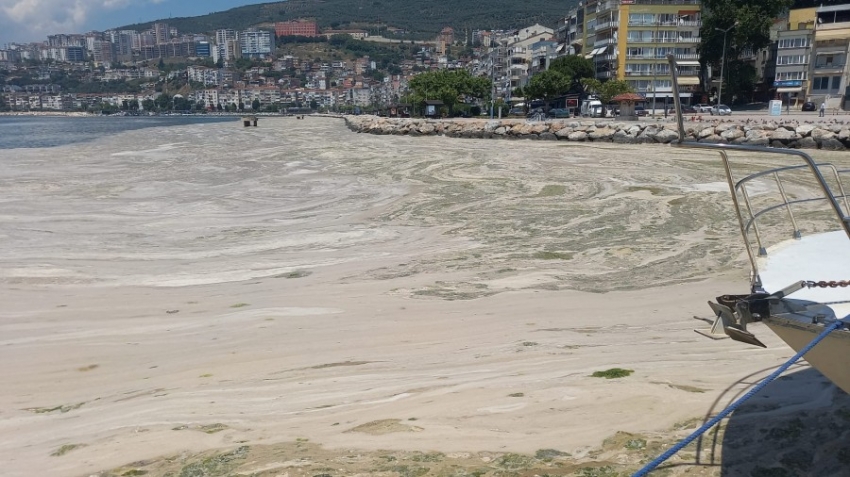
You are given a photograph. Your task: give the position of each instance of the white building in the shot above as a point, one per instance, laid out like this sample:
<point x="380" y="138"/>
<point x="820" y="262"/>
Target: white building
<point x="207" y="76"/>
<point x="255" y="43"/>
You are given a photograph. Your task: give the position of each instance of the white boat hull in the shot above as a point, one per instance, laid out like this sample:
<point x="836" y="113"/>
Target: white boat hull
<point x="829" y="357"/>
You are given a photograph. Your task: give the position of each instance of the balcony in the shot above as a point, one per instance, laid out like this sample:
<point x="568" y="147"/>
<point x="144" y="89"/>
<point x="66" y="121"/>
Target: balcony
<point x="607" y="25"/>
<point x="830" y="66"/>
<point x="692" y="39"/>
<point x="604" y="42"/>
<point x="652" y="23"/>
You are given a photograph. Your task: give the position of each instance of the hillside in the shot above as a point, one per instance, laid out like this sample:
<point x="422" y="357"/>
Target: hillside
<point x="422" y="16"/>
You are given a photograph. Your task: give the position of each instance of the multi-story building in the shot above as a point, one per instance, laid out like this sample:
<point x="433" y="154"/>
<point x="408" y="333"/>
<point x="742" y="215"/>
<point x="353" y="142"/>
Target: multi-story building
<point x="227" y="45"/>
<point x="75" y="54"/>
<point x="542" y="54"/>
<point x="297" y="28"/>
<point x="103" y="52"/>
<point x="570" y="32"/>
<point x="829" y="66"/>
<point x="793" y="50"/>
<point x="161" y="33"/>
<point x="255" y="43"/>
<point x="203" y="49"/>
<point x="630" y="40"/>
<point x="207" y="76"/>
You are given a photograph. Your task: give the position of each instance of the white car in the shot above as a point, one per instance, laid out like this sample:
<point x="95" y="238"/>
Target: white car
<point x="721" y="110"/>
<point x="703" y="108"/>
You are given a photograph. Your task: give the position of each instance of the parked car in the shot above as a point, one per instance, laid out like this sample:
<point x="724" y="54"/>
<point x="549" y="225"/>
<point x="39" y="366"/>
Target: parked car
<point x="516" y="112"/>
<point x="640" y="111"/>
<point x="703" y="108"/>
<point x="721" y="110"/>
<point x="809" y="106"/>
<point x="559" y="113"/>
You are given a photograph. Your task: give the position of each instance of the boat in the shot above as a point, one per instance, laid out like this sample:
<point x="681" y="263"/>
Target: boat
<point x="794" y="219"/>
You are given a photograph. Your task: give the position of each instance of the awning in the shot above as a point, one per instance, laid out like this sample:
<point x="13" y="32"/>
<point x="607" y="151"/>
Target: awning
<point x="838" y="34"/>
<point x="789" y="90"/>
<point x="687" y="63"/>
<point x="689" y="80"/>
<point x="560" y="48"/>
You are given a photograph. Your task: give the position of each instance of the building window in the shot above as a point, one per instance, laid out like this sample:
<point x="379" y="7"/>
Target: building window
<point x="790" y="75"/>
<point x="822" y="82"/>
<point x="836" y="82"/>
<point x="792" y="60"/>
<point x="793" y="43"/>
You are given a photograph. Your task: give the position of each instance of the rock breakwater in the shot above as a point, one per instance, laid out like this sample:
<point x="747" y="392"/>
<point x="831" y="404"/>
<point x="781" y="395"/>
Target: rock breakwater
<point x="833" y="135"/>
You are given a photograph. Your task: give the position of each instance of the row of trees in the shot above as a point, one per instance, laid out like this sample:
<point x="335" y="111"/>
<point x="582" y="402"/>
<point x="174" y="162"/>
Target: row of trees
<point x="449" y="86"/>
<point x="572" y="74"/>
<point x="569" y="74"/>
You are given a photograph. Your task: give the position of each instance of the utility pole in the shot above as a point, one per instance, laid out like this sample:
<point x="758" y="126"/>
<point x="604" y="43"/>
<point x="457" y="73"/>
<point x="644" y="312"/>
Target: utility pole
<point x="723" y="63"/>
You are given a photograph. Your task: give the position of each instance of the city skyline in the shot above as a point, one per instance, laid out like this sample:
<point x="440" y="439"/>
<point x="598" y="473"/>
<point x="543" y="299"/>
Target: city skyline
<point x="24" y="21"/>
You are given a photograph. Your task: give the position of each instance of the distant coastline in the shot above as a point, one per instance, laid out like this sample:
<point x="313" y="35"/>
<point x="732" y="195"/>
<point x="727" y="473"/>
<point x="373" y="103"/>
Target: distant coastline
<point x="55" y="114"/>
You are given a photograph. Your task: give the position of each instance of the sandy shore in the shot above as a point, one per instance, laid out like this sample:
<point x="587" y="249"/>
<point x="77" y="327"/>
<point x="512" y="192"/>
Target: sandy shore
<point x="262" y="294"/>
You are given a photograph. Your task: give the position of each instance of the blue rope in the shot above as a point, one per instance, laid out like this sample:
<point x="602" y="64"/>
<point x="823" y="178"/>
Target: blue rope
<point x="708" y="425"/>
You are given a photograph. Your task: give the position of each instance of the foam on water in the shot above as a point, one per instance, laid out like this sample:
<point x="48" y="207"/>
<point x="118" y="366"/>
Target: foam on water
<point x="185" y="205"/>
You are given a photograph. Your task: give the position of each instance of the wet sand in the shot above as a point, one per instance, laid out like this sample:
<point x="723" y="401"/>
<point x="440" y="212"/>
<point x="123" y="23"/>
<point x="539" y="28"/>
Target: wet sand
<point x="170" y="292"/>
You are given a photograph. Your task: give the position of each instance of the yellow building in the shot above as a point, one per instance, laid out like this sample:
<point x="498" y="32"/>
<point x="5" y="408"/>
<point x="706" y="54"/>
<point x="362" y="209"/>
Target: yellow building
<point x="630" y="40"/>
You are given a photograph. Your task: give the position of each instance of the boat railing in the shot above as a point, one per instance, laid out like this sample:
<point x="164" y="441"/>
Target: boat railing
<point x="747" y="211"/>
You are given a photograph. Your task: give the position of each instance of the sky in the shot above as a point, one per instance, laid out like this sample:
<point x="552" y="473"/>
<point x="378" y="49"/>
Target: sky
<point x="24" y="21"/>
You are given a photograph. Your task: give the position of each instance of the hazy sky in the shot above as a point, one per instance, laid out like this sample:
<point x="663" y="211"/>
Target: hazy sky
<point x="33" y="20"/>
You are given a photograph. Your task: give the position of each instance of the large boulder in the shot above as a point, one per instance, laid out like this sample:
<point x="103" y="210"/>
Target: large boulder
<point x="648" y="134"/>
<point x="622" y="137"/>
<point x="577" y="136"/>
<point x="807" y="143"/>
<point x="665" y="136"/>
<point x="817" y="134"/>
<point x="731" y="134"/>
<point x="782" y="134"/>
<point x="707" y="132"/>
<point x="547" y="136"/>
<point x="804" y="129"/>
<point x="831" y="144"/>
<point x="564" y="133"/>
<point x="601" y="134"/>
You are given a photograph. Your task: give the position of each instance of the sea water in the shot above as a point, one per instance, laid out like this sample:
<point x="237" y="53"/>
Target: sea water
<point x="176" y="201"/>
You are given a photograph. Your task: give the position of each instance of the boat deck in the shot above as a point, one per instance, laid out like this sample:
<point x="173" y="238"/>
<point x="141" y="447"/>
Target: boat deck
<point x="818" y="257"/>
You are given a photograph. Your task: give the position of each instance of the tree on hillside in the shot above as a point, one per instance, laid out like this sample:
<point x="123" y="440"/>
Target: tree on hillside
<point x="547" y="85"/>
<point x="450" y="87"/>
<point x="607" y="90"/>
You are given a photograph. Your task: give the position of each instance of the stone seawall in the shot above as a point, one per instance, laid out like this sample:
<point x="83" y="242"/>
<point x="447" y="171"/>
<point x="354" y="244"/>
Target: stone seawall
<point x="830" y="135"/>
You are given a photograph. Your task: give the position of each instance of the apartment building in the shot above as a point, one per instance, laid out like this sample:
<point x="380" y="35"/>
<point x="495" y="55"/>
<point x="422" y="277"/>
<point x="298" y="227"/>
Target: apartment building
<point x="161" y="33"/>
<point x="630" y="40"/>
<point x="255" y="43"/>
<point x="829" y="69"/>
<point x="207" y="76"/>
<point x="793" y="50"/>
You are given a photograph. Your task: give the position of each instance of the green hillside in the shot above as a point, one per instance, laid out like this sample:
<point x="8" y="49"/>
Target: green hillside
<point x="418" y="16"/>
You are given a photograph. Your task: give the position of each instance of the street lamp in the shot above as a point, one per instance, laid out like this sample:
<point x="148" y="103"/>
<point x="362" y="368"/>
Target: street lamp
<point x="723" y="62"/>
